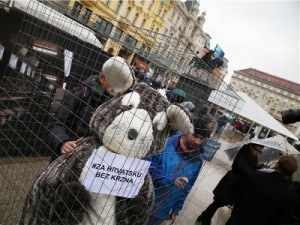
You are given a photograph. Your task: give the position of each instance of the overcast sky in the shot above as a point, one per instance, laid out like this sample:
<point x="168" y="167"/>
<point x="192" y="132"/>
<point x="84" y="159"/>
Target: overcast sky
<point x="263" y="35"/>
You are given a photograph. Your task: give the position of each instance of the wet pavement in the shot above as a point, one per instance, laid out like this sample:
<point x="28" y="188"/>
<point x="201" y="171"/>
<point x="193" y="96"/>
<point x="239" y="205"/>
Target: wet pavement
<point x="18" y="174"/>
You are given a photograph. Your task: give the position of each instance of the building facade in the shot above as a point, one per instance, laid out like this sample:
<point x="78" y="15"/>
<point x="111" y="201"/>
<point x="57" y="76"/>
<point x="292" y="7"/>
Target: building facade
<point x="272" y="93"/>
<point x="123" y="27"/>
<point x="186" y="27"/>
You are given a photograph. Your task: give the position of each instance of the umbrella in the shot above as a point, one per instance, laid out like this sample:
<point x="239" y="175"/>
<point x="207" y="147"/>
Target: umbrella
<point x="287" y="148"/>
<point x="229" y="116"/>
<point x="179" y="92"/>
<point x="273" y="148"/>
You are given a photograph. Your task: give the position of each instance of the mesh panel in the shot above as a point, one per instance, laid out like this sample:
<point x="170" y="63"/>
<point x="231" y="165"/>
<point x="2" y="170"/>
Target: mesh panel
<point x="50" y="54"/>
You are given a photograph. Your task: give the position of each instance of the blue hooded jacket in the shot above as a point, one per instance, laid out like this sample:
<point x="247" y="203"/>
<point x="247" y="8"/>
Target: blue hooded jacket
<point x="165" y="168"/>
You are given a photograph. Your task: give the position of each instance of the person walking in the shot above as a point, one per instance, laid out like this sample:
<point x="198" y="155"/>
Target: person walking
<point x="204" y="125"/>
<point x="221" y="122"/>
<point x="71" y="123"/>
<point x="266" y="197"/>
<point x="174" y="172"/>
<point x="227" y="189"/>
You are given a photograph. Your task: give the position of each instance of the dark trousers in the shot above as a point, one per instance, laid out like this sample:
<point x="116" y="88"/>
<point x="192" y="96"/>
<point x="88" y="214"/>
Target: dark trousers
<point x="208" y="214"/>
<point x="155" y="221"/>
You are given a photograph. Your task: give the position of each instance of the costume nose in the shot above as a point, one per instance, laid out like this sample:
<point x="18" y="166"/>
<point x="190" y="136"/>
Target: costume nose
<point x="132" y="134"/>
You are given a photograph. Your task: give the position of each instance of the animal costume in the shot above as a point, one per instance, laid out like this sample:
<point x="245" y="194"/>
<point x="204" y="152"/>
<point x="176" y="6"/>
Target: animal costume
<point x="135" y="123"/>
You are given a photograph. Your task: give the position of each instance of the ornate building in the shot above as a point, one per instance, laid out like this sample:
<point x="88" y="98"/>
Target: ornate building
<point x="186" y="27"/>
<point x="272" y="93"/>
<point x="123" y="26"/>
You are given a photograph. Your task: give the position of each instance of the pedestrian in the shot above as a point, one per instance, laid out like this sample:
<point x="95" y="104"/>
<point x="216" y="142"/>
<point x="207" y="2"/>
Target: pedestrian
<point x="174" y="172"/>
<point x="71" y="123"/>
<point x="204" y="125"/>
<point x="227" y="189"/>
<point x="266" y="197"/>
<point x="222" y="121"/>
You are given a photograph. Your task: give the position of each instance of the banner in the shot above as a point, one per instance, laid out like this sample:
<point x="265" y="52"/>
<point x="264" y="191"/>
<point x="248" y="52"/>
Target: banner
<point x="114" y="174"/>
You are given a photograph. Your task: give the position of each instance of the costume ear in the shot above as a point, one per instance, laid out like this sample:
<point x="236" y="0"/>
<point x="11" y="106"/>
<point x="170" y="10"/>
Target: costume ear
<point x="179" y="119"/>
<point x="160" y="120"/>
<point x="118" y="74"/>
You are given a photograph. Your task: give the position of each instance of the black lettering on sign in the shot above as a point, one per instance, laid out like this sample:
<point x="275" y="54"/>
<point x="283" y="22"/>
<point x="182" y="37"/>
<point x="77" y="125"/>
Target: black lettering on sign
<point x="102" y="175"/>
<point x="121" y="179"/>
<point x="98" y="166"/>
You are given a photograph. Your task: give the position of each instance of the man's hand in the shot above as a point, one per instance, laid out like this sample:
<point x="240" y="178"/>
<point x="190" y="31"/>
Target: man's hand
<point x="172" y="217"/>
<point x="181" y="182"/>
<point x="70" y="145"/>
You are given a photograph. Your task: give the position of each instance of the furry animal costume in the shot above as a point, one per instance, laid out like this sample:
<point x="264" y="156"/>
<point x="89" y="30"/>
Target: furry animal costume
<point x="135" y="123"/>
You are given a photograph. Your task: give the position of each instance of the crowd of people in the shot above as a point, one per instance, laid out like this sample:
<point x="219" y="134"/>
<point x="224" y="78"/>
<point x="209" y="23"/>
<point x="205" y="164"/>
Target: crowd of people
<point x="174" y="171"/>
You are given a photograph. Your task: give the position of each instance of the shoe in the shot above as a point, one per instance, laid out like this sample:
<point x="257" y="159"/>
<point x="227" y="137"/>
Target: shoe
<point x="201" y="221"/>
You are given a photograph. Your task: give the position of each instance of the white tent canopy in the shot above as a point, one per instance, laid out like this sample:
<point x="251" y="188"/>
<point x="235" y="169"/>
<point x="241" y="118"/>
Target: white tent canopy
<point x="56" y="19"/>
<point x="252" y="111"/>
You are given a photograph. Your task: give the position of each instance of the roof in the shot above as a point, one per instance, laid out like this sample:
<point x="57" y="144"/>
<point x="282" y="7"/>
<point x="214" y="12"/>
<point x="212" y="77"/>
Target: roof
<point x="49" y="15"/>
<point x="252" y="111"/>
<point x="189" y="4"/>
<point x="270" y="78"/>
<point x="249" y="109"/>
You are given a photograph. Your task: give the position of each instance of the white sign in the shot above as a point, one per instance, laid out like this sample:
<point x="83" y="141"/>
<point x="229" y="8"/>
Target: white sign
<point x="113" y="174"/>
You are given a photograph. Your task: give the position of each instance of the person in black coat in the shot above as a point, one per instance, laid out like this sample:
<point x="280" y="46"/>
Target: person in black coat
<point x="221" y="123"/>
<point x="266" y="197"/>
<point x="71" y="123"/>
<point x="227" y="189"/>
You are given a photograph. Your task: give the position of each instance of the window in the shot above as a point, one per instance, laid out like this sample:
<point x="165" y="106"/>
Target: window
<point x="103" y="26"/>
<point x="129" y="41"/>
<point x="143" y="23"/>
<point x="118" y="34"/>
<point x="76" y="9"/>
<point x="107" y="2"/>
<point x="86" y="15"/>
<point x="119" y="5"/>
<point x="158" y="13"/>
<point x="135" y="18"/>
<point x="127" y="12"/>
<point x="143" y="47"/>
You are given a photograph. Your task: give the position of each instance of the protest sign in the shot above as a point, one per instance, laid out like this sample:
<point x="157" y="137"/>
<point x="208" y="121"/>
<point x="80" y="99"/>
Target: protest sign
<point x="114" y="174"/>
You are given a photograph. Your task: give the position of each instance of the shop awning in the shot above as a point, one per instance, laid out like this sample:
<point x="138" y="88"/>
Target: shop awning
<point x="254" y="112"/>
<point x="49" y="15"/>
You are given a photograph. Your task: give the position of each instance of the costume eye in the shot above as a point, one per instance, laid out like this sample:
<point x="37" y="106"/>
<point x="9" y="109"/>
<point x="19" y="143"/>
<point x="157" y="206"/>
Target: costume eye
<point x="132" y="134"/>
<point x="131" y="99"/>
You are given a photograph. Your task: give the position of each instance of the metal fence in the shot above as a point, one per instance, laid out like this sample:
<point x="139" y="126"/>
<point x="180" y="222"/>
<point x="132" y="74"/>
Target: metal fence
<point x="40" y="62"/>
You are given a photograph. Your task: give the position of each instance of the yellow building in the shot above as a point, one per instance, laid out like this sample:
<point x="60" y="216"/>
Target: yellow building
<point x="124" y="27"/>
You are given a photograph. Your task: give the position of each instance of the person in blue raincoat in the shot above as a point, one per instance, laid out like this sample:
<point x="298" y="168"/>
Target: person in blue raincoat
<point x="174" y="172"/>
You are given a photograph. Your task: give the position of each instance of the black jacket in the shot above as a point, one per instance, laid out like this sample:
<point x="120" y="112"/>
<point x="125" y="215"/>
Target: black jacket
<point x="72" y="120"/>
<point x="243" y="165"/>
<point x="265" y="198"/>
